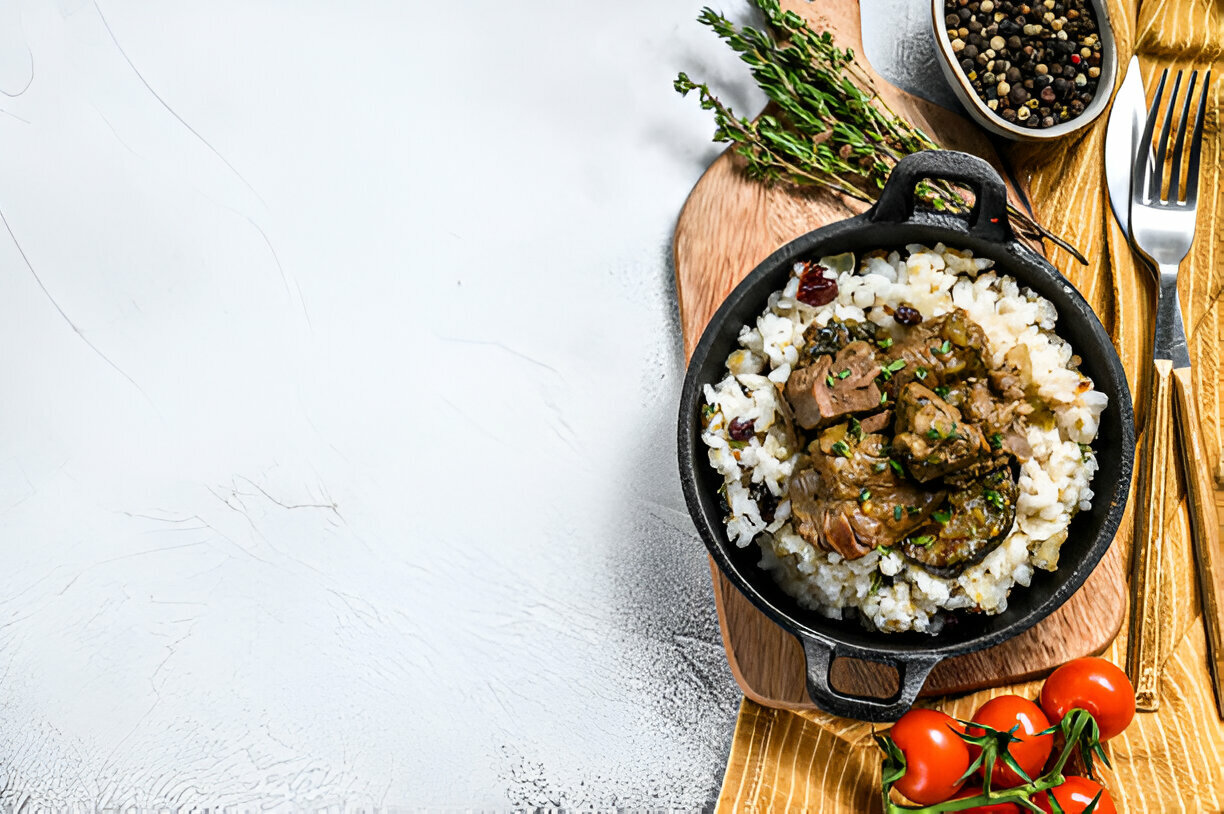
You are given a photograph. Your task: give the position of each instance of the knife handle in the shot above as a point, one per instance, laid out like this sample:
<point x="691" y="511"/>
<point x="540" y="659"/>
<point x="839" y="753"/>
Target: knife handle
<point x="1204" y="527"/>
<point x="1143" y="657"/>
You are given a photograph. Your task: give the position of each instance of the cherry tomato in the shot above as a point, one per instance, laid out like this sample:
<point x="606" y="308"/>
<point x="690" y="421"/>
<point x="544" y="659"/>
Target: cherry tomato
<point x="935" y="756"/>
<point x="1074" y="795"/>
<point x="1095" y="685"/>
<point x="996" y="808"/>
<point x="1031" y="752"/>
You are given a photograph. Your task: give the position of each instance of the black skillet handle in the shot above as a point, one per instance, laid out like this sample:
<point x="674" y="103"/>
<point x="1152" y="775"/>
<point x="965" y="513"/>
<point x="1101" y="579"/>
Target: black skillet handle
<point x="987" y="220"/>
<point x="912" y="673"/>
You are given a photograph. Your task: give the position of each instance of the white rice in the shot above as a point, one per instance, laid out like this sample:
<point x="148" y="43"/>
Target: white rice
<point x="1053" y="484"/>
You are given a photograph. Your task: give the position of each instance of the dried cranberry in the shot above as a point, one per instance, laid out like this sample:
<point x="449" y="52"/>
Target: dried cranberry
<point x="908" y="316"/>
<point x="741" y="429"/>
<point x="814" y="287"/>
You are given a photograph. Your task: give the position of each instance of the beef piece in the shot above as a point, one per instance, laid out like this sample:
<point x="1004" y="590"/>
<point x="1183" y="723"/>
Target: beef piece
<point x="1000" y="419"/>
<point x="976" y="519"/>
<point x="1007" y="379"/>
<point x="834" y="387"/>
<point x="801" y="390"/>
<point x="932" y="437"/>
<point x="940" y="351"/>
<point x="850" y="499"/>
<point x="877" y="423"/>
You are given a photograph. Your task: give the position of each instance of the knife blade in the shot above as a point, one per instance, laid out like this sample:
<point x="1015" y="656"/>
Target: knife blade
<point x="1126" y="120"/>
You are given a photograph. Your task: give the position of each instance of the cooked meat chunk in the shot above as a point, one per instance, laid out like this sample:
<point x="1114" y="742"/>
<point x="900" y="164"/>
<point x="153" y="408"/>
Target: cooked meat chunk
<point x="939" y="351"/>
<point x="1008" y="377"/>
<point x="1001" y="421"/>
<point x="801" y="390"/>
<point x="912" y="439"/>
<point x="974" y="522"/>
<point x="873" y="424"/>
<point x="932" y="437"/>
<point x="835" y="386"/>
<point x="850" y="498"/>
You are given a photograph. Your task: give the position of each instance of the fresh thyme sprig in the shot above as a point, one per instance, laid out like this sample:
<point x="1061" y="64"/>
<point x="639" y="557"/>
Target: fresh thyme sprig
<point x="827" y="127"/>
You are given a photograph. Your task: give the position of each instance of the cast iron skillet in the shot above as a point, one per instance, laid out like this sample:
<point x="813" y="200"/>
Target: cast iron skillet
<point x="892" y="223"/>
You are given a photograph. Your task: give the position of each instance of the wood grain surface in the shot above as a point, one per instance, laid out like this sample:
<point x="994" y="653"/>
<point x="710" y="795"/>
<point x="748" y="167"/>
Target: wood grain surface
<point x="1148" y="605"/>
<point x="728" y="225"/>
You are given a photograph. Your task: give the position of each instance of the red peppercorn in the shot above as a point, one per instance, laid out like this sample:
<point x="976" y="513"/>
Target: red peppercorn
<point x="814" y="287"/>
<point x="1076" y="59"/>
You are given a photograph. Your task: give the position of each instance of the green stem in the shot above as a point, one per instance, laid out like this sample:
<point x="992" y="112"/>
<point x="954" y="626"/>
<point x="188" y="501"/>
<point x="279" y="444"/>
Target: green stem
<point x="1021" y="795"/>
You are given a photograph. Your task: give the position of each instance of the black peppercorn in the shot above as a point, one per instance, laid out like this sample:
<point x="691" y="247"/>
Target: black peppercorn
<point x="1038" y="52"/>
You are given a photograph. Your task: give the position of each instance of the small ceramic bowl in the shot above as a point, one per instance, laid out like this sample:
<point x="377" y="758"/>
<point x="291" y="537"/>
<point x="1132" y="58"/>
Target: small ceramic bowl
<point x="986" y="117"/>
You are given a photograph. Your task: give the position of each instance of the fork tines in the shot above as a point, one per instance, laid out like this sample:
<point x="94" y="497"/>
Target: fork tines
<point x="1148" y="183"/>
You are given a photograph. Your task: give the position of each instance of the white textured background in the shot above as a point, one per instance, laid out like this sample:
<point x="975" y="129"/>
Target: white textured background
<point x="341" y="363"/>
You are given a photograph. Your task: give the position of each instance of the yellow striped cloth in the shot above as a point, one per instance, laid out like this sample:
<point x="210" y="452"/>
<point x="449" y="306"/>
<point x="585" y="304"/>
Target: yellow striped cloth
<point x="1170" y="761"/>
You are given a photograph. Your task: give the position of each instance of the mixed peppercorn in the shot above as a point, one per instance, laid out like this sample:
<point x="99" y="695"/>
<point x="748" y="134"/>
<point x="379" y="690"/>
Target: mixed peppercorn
<point x="1034" y="64"/>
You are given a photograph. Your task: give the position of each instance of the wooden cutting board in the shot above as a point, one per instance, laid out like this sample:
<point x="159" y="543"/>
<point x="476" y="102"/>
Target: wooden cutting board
<point x="730" y="224"/>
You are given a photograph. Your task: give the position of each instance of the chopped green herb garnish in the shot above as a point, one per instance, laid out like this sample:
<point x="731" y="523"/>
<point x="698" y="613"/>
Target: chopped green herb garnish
<point x="942" y="392"/>
<point x="708" y="411"/>
<point x="934" y="434"/>
<point x="895" y="465"/>
<point x="864" y="495"/>
<point x="843" y="374"/>
<point x="953" y="435"/>
<point x="924" y="540"/>
<point x="878" y="466"/>
<point x="737" y="444"/>
<point x="883" y="550"/>
<point x="896" y="365"/>
<point x="885" y="343"/>
<point x="913" y="509"/>
<point x="996" y="441"/>
<point x="1085" y="452"/>
<point x="946" y="347"/>
<point x="840" y="448"/>
<point x="942" y="516"/>
<point x="897" y="516"/>
<point x="921" y="373"/>
<point x="877" y="580"/>
<point x="884" y="398"/>
<point x="829" y="381"/>
<point x="856" y="429"/>
<point x="993" y="498"/>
